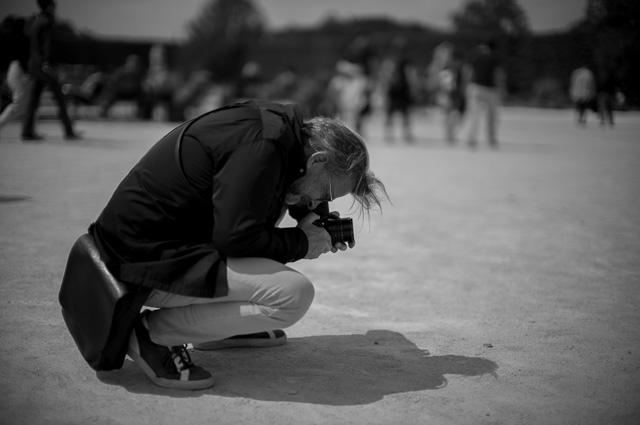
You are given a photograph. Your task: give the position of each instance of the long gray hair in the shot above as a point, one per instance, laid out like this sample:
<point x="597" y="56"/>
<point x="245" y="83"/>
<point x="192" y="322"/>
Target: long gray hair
<point x="348" y="157"/>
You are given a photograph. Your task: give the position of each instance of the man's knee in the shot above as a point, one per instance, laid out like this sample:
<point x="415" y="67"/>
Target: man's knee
<point x="302" y="292"/>
<point x="297" y="298"/>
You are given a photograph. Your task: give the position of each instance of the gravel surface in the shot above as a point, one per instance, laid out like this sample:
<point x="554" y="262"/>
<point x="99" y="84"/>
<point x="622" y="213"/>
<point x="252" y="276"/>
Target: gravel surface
<point x="500" y="287"/>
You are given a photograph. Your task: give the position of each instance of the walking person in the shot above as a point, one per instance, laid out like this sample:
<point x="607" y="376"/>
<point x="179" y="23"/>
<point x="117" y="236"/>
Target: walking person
<point x="158" y="85"/>
<point x="439" y="59"/>
<point x="43" y="74"/>
<point x="17" y="78"/>
<point x="399" y="82"/>
<point x="196" y="222"/>
<point x="607" y="88"/>
<point x="583" y="93"/>
<point x="449" y="87"/>
<point x="362" y="54"/>
<point x="485" y="88"/>
<point x="454" y="91"/>
<point x="347" y="91"/>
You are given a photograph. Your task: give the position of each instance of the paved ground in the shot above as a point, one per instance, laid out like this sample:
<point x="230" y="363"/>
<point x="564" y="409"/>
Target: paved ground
<point x="500" y="287"/>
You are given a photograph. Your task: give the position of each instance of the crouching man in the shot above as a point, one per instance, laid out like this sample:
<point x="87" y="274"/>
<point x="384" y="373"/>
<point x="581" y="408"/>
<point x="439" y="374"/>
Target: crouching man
<point x="196" y="221"/>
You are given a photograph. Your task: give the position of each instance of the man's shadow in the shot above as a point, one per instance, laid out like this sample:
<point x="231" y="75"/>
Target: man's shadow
<point x="339" y="370"/>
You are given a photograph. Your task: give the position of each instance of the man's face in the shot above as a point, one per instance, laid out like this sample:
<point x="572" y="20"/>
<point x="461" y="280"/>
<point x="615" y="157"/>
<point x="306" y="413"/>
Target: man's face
<point x="317" y="186"/>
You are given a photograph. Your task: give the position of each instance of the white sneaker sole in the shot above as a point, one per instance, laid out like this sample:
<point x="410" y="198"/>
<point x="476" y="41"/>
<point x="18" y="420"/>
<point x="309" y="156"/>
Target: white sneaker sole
<point x="242" y="342"/>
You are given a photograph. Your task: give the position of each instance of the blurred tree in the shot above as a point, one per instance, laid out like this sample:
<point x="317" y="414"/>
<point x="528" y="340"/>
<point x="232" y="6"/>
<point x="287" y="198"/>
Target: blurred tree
<point x="491" y="18"/>
<point x="614" y="13"/>
<point x="612" y="29"/>
<point x="220" y="37"/>
<point x="65" y="29"/>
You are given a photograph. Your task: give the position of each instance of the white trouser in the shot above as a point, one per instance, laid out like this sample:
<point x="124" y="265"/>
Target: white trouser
<point x="263" y="295"/>
<point x="18" y="82"/>
<point x="477" y="96"/>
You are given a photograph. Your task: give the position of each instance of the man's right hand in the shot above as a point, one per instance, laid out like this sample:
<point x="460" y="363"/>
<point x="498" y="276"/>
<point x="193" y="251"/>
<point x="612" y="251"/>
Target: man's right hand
<point x="319" y="239"/>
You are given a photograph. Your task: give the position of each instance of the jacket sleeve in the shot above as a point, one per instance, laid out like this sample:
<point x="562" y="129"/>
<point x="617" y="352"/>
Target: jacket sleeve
<point x="245" y="187"/>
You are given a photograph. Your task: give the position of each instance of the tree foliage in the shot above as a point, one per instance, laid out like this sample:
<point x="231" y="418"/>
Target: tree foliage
<point x="491" y="18"/>
<point x="613" y="30"/>
<point x="220" y="36"/>
<point x="621" y="14"/>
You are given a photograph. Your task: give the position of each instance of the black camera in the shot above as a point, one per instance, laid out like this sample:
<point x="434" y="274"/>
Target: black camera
<point x="340" y="229"/>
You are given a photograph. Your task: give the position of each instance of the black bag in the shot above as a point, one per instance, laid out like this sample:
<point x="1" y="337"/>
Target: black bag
<point x="99" y="311"/>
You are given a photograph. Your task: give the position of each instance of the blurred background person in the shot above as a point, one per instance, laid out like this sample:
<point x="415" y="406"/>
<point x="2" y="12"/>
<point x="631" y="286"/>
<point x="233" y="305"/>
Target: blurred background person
<point x="398" y="78"/>
<point x="87" y="92"/>
<point x="347" y="92"/>
<point x="449" y="88"/>
<point x="125" y="83"/>
<point x="158" y="85"/>
<point x="42" y="38"/>
<point x="284" y="86"/>
<point x="188" y="99"/>
<point x="583" y="92"/>
<point x="439" y="59"/>
<point x="250" y="84"/>
<point x="607" y="89"/>
<point x="486" y="86"/>
<point x="361" y="53"/>
<point x="17" y="78"/>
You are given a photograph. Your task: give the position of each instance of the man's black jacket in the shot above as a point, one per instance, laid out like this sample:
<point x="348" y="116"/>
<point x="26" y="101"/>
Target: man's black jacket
<point x="169" y="231"/>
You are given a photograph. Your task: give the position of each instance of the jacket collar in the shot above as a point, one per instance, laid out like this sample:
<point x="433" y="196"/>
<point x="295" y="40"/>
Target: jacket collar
<point x="297" y="166"/>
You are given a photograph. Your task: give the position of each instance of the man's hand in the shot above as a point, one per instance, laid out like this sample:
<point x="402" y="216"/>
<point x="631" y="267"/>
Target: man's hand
<point x="319" y="239"/>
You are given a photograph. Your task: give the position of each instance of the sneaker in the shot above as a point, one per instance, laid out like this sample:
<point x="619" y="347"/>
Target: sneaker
<point x="73" y="136"/>
<point x="167" y="367"/>
<point x="260" y="339"/>
<point x="31" y="137"/>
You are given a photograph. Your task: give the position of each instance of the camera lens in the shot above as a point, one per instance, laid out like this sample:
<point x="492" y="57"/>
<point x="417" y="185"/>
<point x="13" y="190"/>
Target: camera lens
<point x="341" y="230"/>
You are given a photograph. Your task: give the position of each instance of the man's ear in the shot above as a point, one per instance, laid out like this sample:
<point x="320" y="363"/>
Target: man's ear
<point x="317" y="158"/>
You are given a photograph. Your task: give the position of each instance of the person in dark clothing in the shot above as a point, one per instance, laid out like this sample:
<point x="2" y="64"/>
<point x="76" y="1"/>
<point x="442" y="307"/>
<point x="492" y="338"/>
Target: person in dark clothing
<point x="42" y="72"/>
<point x="17" y="78"/>
<point x="196" y="221"/>
<point x="400" y="82"/>
<point x="607" y="87"/>
<point x="486" y="87"/>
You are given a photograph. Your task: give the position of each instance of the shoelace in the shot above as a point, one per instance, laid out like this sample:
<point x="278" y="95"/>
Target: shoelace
<point x="180" y="358"/>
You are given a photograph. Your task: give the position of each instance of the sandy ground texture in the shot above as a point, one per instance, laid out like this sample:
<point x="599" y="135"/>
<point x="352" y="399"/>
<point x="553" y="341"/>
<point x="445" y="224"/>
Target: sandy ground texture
<point x="501" y="287"/>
